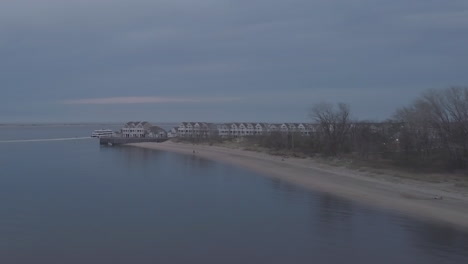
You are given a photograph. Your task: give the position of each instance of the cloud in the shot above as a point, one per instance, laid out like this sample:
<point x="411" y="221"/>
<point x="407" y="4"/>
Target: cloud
<point x="147" y="100"/>
<point x="440" y="20"/>
<point x="276" y="59"/>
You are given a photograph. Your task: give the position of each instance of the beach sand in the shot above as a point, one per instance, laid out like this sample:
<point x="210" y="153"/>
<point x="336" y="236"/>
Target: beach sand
<point x="428" y="201"/>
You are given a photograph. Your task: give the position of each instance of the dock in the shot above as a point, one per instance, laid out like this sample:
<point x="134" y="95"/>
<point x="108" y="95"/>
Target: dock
<point x="112" y="141"/>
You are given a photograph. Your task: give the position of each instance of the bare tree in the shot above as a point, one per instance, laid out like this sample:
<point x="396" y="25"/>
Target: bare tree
<point x="416" y="135"/>
<point x="334" y="124"/>
<point x="449" y="115"/>
<point x="438" y="120"/>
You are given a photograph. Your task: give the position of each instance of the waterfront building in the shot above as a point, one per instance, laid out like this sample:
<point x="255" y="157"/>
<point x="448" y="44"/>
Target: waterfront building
<point x="172" y="133"/>
<point x="185" y="129"/>
<point x="292" y="127"/>
<point x="135" y="129"/>
<point x="273" y="128"/>
<point x="156" y="132"/>
<point x="242" y="128"/>
<point x="225" y="130"/>
<point x="197" y="129"/>
<point x="250" y="129"/>
<point x="142" y="130"/>
<point x="261" y="129"/>
<point x="234" y="130"/>
<point x="284" y="128"/>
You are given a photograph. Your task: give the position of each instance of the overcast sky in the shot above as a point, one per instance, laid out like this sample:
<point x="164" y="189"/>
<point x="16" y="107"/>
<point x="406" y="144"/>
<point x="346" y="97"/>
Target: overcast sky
<point x="223" y="60"/>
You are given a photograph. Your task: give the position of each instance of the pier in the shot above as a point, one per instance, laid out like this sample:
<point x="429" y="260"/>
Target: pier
<point x="111" y="141"/>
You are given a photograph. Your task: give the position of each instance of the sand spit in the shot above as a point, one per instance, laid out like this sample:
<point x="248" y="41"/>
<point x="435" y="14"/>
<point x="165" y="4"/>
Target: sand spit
<point x="425" y="200"/>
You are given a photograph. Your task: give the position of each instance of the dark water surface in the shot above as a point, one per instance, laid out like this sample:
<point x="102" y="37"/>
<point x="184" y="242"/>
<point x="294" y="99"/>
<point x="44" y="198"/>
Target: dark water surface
<point x="77" y="202"/>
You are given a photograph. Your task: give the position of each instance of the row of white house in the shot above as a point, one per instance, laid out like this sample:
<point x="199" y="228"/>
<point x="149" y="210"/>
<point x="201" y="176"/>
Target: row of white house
<point x="142" y="130"/>
<point x="202" y="129"/>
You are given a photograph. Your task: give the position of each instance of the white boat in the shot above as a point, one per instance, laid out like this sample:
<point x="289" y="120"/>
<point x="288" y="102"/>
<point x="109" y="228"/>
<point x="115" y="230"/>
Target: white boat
<point x="102" y="133"/>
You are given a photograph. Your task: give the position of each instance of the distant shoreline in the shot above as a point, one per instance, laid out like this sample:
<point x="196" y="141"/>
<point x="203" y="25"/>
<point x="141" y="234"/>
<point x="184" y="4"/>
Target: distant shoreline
<point x="58" y="124"/>
<point x="71" y="124"/>
<point x="424" y="200"/>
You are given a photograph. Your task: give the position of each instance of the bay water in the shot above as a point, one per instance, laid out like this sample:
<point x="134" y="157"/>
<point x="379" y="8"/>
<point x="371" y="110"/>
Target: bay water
<point x="74" y="201"/>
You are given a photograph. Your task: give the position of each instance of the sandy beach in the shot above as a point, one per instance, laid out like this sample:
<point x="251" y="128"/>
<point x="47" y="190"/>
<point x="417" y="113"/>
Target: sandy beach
<point x="429" y="201"/>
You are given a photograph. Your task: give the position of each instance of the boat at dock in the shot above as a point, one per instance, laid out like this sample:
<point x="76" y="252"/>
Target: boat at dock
<point x="100" y="133"/>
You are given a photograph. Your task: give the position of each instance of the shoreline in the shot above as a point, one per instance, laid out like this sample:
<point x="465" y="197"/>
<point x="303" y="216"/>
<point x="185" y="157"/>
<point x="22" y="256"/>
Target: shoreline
<point x="424" y="200"/>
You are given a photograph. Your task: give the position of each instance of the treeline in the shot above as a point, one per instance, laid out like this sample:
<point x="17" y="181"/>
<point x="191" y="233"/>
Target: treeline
<point x="431" y="132"/>
<point x="436" y="127"/>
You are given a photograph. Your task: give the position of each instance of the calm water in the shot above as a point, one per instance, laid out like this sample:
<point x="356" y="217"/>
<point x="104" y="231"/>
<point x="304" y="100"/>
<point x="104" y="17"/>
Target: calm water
<point x="77" y="202"/>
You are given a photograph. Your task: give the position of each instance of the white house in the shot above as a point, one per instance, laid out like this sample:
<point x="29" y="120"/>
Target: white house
<point x="292" y="127"/>
<point x="181" y="129"/>
<point x="261" y="129"/>
<point x="142" y="130"/>
<point x="185" y="129"/>
<point x="242" y="129"/>
<point x="284" y="128"/>
<point x="135" y="129"/>
<point x="197" y="129"/>
<point x="250" y="129"/>
<point x="204" y="130"/>
<point x="189" y="129"/>
<point x="223" y="130"/>
<point x="273" y="127"/>
<point x="301" y="128"/>
<point x="156" y="132"/>
<point x="173" y="132"/>
<point x="234" y="130"/>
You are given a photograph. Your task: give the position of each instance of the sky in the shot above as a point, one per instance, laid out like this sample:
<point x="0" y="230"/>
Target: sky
<point x="224" y="60"/>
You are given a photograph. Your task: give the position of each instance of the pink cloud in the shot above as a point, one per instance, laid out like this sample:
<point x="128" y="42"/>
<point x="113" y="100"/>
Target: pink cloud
<point x="147" y="100"/>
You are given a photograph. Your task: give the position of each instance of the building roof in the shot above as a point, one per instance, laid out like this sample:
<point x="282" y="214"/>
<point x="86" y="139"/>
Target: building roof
<point x="130" y="124"/>
<point x="262" y="125"/>
<point x="133" y="124"/>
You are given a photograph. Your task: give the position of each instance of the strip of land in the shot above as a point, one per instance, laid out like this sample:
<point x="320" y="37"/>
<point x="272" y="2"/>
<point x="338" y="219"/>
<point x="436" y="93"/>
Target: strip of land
<point x="42" y="140"/>
<point x="445" y="202"/>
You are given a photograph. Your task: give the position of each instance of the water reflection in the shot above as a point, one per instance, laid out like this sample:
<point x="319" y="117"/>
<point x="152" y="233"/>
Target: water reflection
<point x="140" y="156"/>
<point x="437" y="240"/>
<point x="333" y="213"/>
<point x="336" y="220"/>
<point x="133" y="156"/>
<point x="287" y="192"/>
<point x="194" y="161"/>
<point x="285" y="187"/>
<point x="325" y="209"/>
